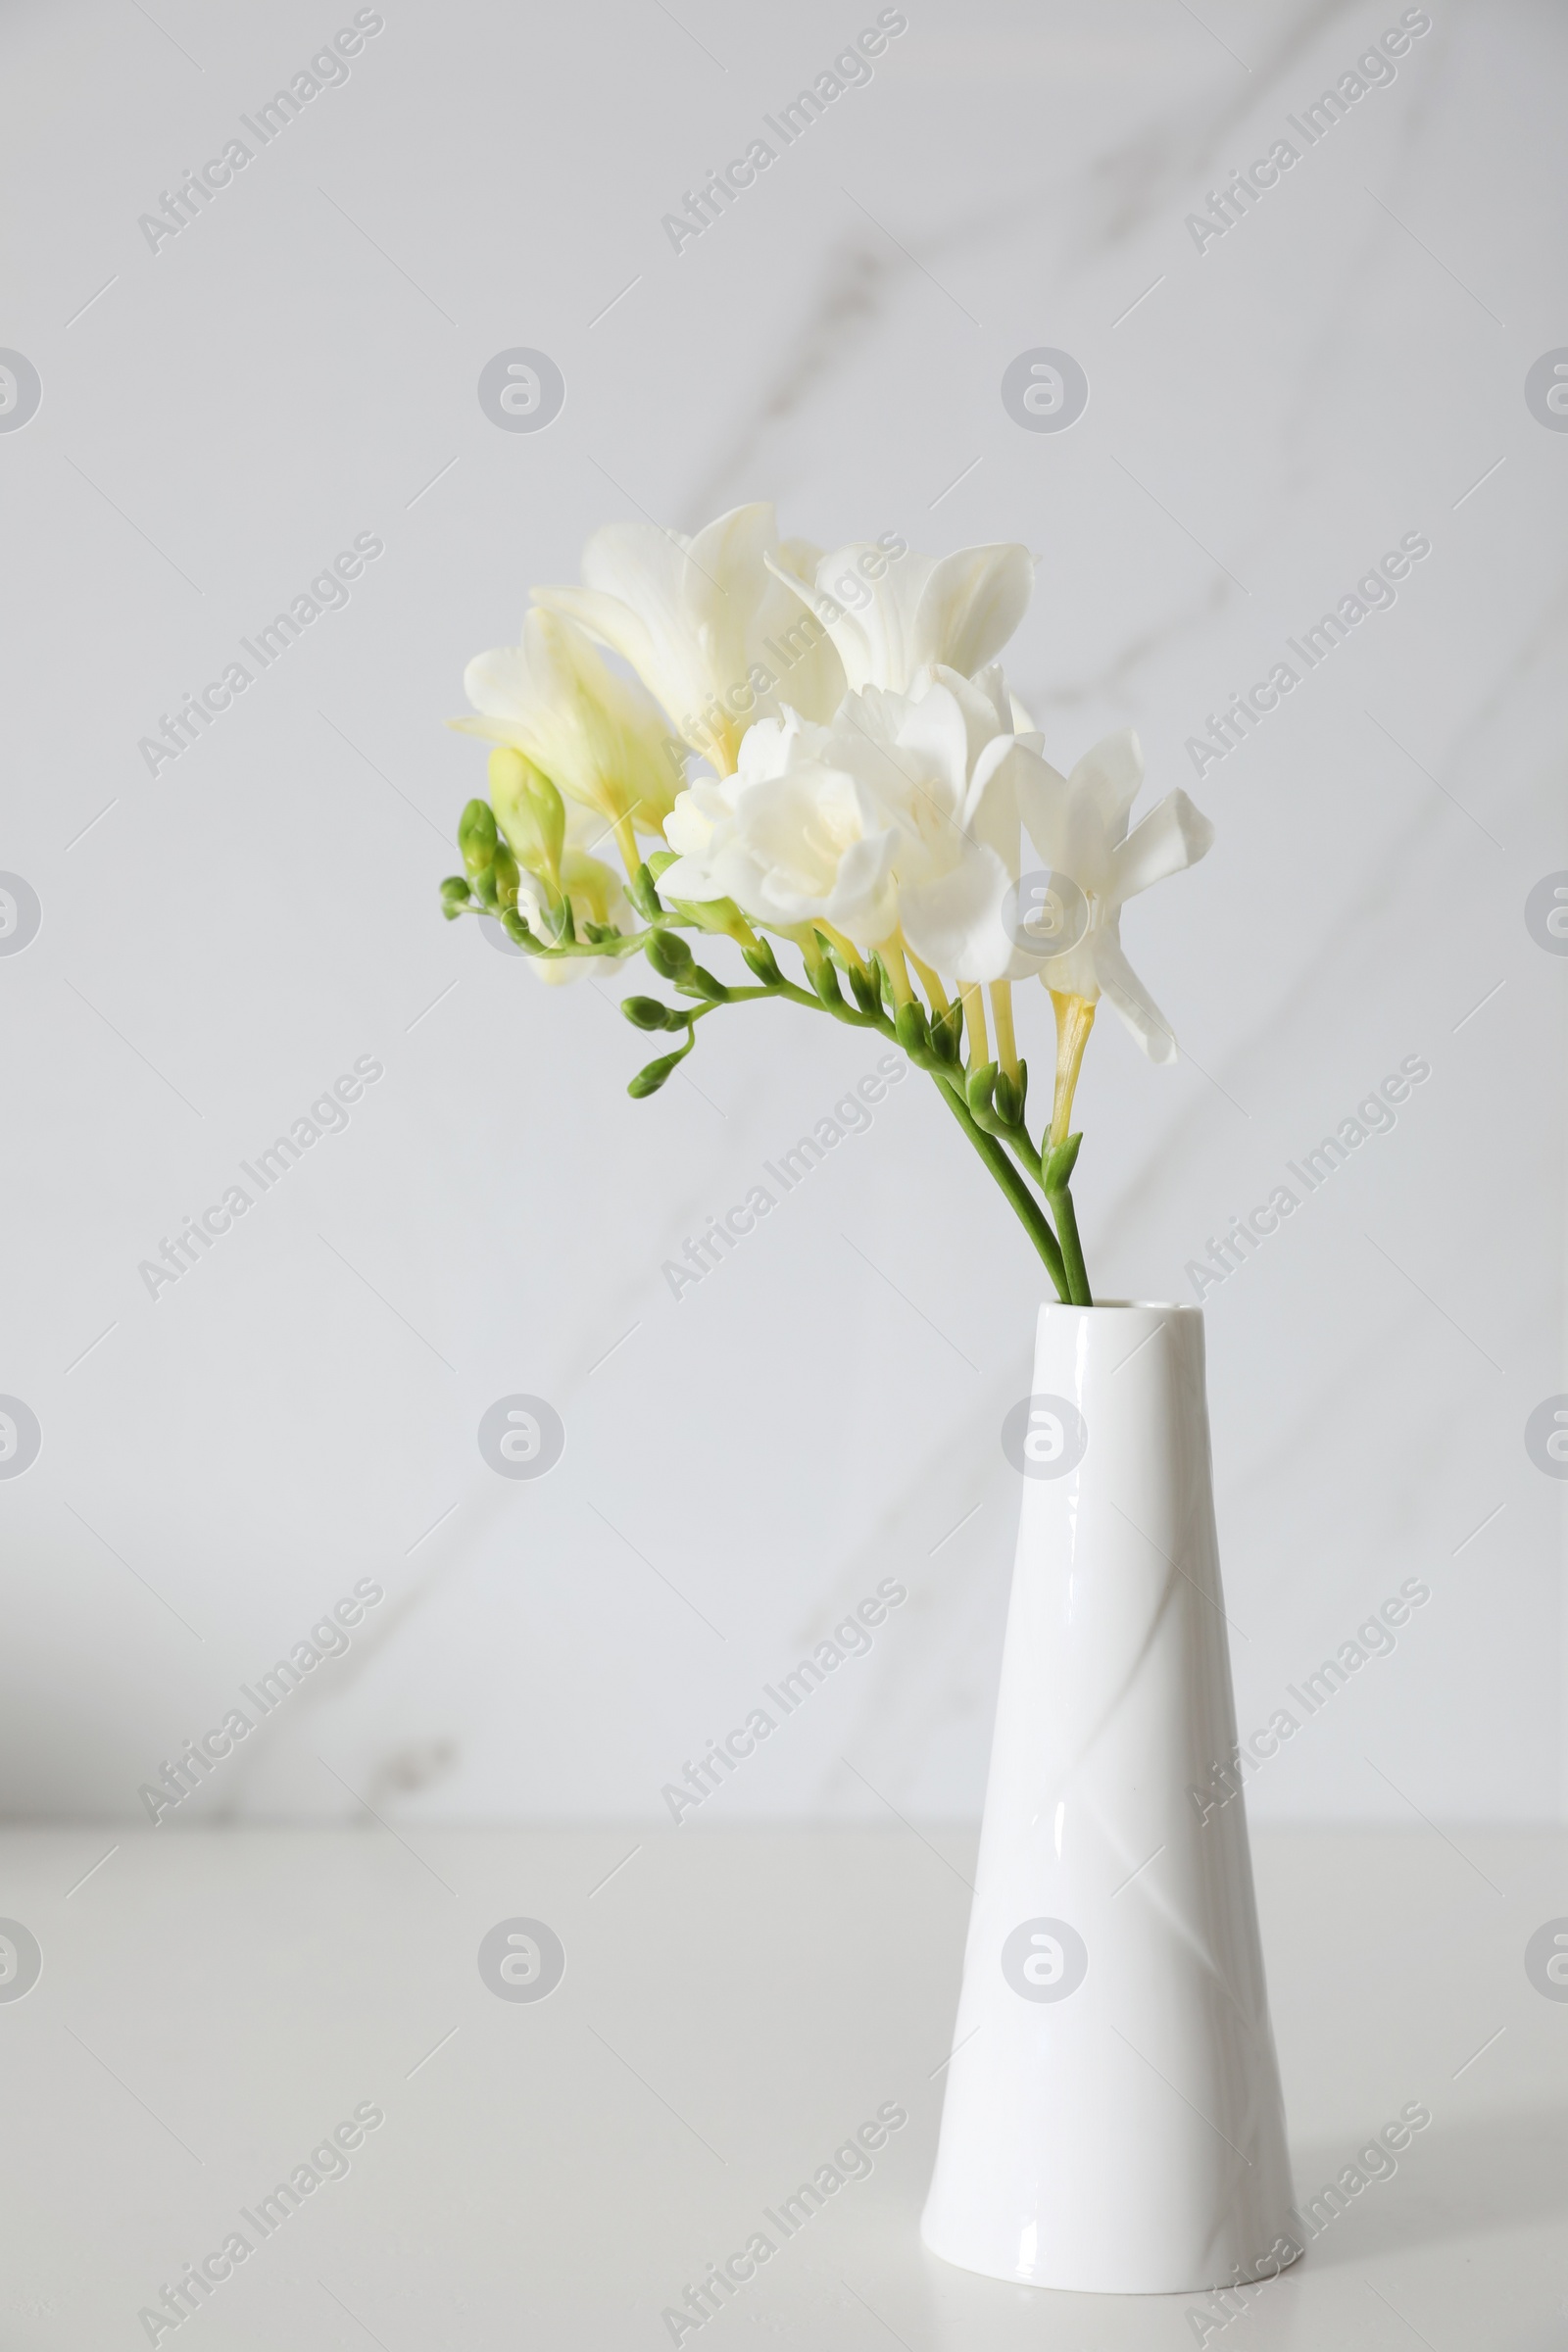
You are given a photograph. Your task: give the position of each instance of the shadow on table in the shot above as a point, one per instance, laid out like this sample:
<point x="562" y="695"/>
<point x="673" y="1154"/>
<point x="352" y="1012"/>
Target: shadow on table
<point x="1480" y="2173"/>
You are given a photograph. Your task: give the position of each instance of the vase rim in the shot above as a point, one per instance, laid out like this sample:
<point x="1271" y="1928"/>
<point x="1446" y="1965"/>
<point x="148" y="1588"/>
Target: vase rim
<point x="1123" y="1307"/>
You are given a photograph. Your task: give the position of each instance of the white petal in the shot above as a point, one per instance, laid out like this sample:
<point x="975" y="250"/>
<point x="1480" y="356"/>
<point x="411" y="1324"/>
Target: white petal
<point x="1109" y="777"/>
<point x="972" y="603"/>
<point x="861" y="902"/>
<point x="499" y="683"/>
<point x="958" y="611"/>
<point x="1174" y="835"/>
<point x="610" y="622"/>
<point x="933" y="730"/>
<point x="493" y="730"/>
<point x="990" y="812"/>
<point x="954" y="923"/>
<point x="1131" y="998"/>
<point x="692" y="878"/>
<point x="1044" y="804"/>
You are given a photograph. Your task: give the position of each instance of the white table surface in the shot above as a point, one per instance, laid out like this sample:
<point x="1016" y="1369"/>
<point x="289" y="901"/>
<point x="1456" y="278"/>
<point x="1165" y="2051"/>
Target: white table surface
<point x="734" y="2005"/>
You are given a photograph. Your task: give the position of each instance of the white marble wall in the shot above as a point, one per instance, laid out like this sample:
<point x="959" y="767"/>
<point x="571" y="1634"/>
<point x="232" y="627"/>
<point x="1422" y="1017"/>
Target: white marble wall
<point x="221" y="417"/>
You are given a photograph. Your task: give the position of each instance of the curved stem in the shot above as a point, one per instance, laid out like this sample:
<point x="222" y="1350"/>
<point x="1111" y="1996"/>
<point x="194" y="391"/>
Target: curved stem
<point x="1022" y="1202"/>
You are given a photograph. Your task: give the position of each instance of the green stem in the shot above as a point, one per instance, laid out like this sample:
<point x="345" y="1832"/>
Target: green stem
<point x="1022" y="1202"/>
<point x="1024" y="1205"/>
<point x="1072" y="1251"/>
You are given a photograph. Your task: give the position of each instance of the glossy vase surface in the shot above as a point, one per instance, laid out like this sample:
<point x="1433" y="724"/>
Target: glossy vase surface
<point x="1112" y="2119"/>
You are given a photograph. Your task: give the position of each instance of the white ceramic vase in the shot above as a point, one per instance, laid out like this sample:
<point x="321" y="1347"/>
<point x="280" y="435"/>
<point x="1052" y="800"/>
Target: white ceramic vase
<point x="1112" y="2119"/>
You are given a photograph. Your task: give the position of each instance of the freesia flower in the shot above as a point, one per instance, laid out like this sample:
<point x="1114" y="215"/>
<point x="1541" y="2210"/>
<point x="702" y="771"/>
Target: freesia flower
<point x="898" y="817"/>
<point x="874" y="785"/>
<point x="792" y="836"/>
<point x="706" y="626"/>
<point x="596" y="736"/>
<point x="1079" y="826"/>
<point x="923" y="612"/>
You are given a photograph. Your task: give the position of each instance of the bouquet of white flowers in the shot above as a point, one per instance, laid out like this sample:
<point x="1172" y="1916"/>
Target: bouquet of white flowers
<point x="861" y="788"/>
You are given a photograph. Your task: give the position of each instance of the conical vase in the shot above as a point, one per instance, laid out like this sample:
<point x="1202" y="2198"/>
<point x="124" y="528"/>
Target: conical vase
<point x="1112" y="2119"/>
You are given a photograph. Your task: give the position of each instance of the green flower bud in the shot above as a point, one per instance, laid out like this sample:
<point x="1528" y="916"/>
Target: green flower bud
<point x="980" y="1087"/>
<point x="669" y="955"/>
<point x="867" y="995"/>
<point x="477" y="838"/>
<point x="455" y="889"/>
<point x="642" y="893"/>
<point x="825" y="980"/>
<point x="910" y="1030"/>
<point x="947" y="1033"/>
<point x="506" y="872"/>
<point x="647" y="1012"/>
<point x="529" y="812"/>
<point x="649" y="1081"/>
<point x="706" y="985"/>
<point x="761" y="959"/>
<point x="718" y="916"/>
<point x="1059" y="1164"/>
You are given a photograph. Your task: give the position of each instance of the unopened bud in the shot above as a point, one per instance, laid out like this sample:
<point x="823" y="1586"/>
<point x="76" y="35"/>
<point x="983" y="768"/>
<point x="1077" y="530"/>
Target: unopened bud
<point x="910" y="1030"/>
<point x="825" y="980"/>
<point x="529" y="810"/>
<point x="643" y="895"/>
<point x="506" y="874"/>
<point x="646" y="1012"/>
<point x="1059" y="1164"/>
<point x="761" y="959"/>
<point x="947" y="1033"/>
<point x="669" y="955"/>
<point x="649" y="1081"/>
<point x="980" y="1086"/>
<point x="477" y="838"/>
<point x="867" y="994"/>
